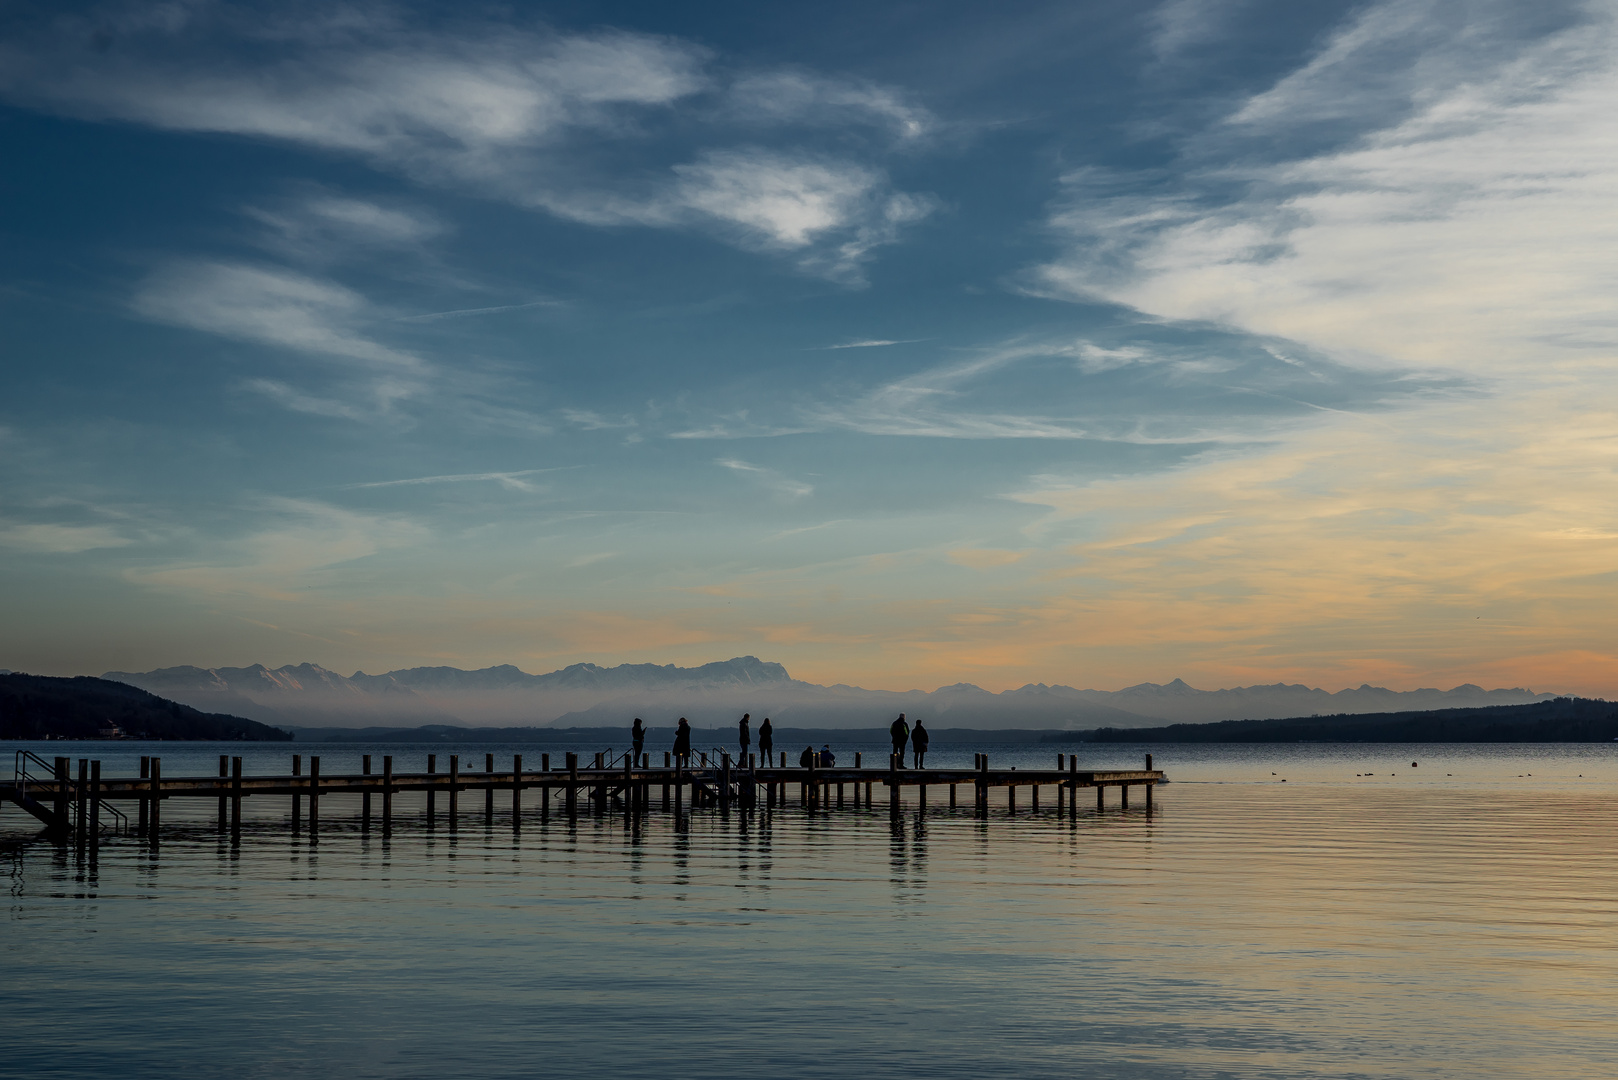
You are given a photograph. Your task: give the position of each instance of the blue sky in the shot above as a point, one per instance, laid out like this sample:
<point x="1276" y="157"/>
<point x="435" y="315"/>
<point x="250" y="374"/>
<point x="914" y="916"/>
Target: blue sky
<point x="903" y="344"/>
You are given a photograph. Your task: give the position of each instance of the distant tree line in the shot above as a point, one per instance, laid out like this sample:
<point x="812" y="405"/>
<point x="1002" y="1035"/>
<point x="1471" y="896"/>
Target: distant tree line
<point x="1564" y="719"/>
<point x="40" y="707"/>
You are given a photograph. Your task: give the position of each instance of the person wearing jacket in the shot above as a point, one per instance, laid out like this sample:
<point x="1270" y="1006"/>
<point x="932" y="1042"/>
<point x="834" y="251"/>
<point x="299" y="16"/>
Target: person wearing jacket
<point x="637" y="737"/>
<point x="900" y="731"/>
<point x="918" y="744"/>
<point x="746" y="736"/>
<point x="766" y="742"/>
<point x="682" y="744"/>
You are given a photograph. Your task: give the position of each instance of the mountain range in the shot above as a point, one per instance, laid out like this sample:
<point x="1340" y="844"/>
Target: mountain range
<point x="587" y="695"/>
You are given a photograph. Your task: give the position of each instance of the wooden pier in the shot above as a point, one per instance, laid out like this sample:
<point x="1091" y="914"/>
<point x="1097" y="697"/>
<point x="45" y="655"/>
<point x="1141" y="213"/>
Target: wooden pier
<point x="86" y="806"/>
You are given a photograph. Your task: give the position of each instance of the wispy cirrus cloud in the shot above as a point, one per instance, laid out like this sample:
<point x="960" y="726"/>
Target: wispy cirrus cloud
<point x="268" y="305"/>
<point x="782" y="486"/>
<point x="50" y="538"/>
<point x="1463" y="213"/>
<point x="503" y="111"/>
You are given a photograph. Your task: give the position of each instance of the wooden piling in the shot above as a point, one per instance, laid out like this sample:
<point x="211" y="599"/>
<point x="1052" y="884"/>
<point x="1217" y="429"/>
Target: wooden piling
<point x="572" y="785"/>
<point x="156" y="816"/>
<point x="1073" y="787"/>
<point x="516" y="792"/>
<point x="64" y="784"/>
<point x="952" y="796"/>
<point x="224" y="771"/>
<point x="297" y="800"/>
<point x="145" y="771"/>
<point x="387" y="793"/>
<point x="365" y="797"/>
<point x="1011" y="799"/>
<point x="893" y="783"/>
<point x="1033" y="799"/>
<point x="95" y="802"/>
<point x="81" y="803"/>
<point x="454" y="789"/>
<point x="235" y="798"/>
<point x="488" y="792"/>
<point x="432" y="792"/>
<point x="314" y="797"/>
<point x="981" y="798"/>
<point x="1123" y="796"/>
<point x="1101" y="798"/>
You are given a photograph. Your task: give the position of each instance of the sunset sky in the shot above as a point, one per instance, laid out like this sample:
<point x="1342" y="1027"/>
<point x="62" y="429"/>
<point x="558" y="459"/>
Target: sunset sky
<point x="904" y="344"/>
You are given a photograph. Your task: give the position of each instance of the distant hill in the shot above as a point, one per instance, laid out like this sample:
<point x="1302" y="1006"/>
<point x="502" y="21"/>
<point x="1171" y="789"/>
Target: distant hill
<point x="1564" y="719"/>
<point x="37" y="706"/>
<point x="715" y="694"/>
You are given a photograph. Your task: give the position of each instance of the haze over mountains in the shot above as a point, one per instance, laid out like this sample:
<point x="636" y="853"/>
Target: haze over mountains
<point x="712" y="695"/>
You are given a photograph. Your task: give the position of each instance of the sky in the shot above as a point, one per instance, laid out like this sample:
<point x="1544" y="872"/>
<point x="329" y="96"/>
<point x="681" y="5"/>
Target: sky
<point x="903" y="344"/>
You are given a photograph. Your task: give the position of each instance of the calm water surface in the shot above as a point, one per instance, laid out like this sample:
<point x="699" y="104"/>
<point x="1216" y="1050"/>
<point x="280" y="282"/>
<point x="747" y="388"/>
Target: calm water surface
<point x="1457" y="919"/>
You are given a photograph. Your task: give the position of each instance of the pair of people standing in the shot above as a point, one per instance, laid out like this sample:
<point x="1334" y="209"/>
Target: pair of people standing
<point x="901" y="733"/>
<point x="766" y="738"/>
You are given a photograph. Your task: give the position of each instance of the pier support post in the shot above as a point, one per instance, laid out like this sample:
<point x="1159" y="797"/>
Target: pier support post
<point x="432" y="792"/>
<point x="64" y="822"/>
<point x="1011" y="798"/>
<point x="314" y="797"/>
<point x="297" y="800"/>
<point x="454" y="789"/>
<point x="516" y="792"/>
<point x="488" y="792"/>
<point x="387" y="794"/>
<point x="665" y="782"/>
<point x="235" y="798"/>
<point x="1033" y="799"/>
<point x="893" y="783"/>
<point x="1101" y="797"/>
<point x="365" y="798"/>
<point x="81" y="803"/>
<point x="95" y="802"/>
<point x="572" y="785"/>
<point x="145" y="771"/>
<point x="983" y="785"/>
<point x="1123" y="796"/>
<point x="952" y="796"/>
<point x="1073" y="787"/>
<point x="157" y="799"/>
<point x="224" y="771"/>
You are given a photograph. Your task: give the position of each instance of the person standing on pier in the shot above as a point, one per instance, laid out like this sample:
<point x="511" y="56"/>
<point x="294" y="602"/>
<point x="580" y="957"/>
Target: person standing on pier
<point x="682" y="743"/>
<point x="746" y="736"/>
<point x="901" y="736"/>
<point x="918" y="743"/>
<point x="766" y="742"/>
<point x="637" y="736"/>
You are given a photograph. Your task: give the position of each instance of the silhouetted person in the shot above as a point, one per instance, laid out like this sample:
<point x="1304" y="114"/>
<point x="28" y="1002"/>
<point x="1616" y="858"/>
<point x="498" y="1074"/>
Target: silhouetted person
<point x="901" y="736"/>
<point x="682" y="743"/>
<point x="637" y="736"/>
<point x="746" y="736"/>
<point x="918" y="743"/>
<point x="827" y="758"/>
<point x="806" y="760"/>
<point x="766" y="742"/>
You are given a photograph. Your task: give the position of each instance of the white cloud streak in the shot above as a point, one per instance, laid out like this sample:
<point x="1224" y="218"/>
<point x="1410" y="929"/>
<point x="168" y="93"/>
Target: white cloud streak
<point x="783" y="487"/>
<point x="1480" y="230"/>
<point x="497" y="110"/>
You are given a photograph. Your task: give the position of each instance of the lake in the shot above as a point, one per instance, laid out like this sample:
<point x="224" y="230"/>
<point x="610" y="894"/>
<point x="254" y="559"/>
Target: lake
<point x="1287" y="911"/>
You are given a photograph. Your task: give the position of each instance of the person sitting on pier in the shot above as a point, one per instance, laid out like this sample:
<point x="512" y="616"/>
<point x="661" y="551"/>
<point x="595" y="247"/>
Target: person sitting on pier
<point x="746" y="736"/>
<point x="637" y="736"/>
<point x="901" y="735"/>
<point x="766" y="742"/>
<point x="827" y="758"/>
<point x="682" y="744"/>
<point x="918" y="743"/>
<point x="806" y="760"/>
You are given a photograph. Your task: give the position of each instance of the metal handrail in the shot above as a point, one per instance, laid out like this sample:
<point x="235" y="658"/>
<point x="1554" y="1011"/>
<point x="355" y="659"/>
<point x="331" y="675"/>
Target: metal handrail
<point x="21" y="777"/>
